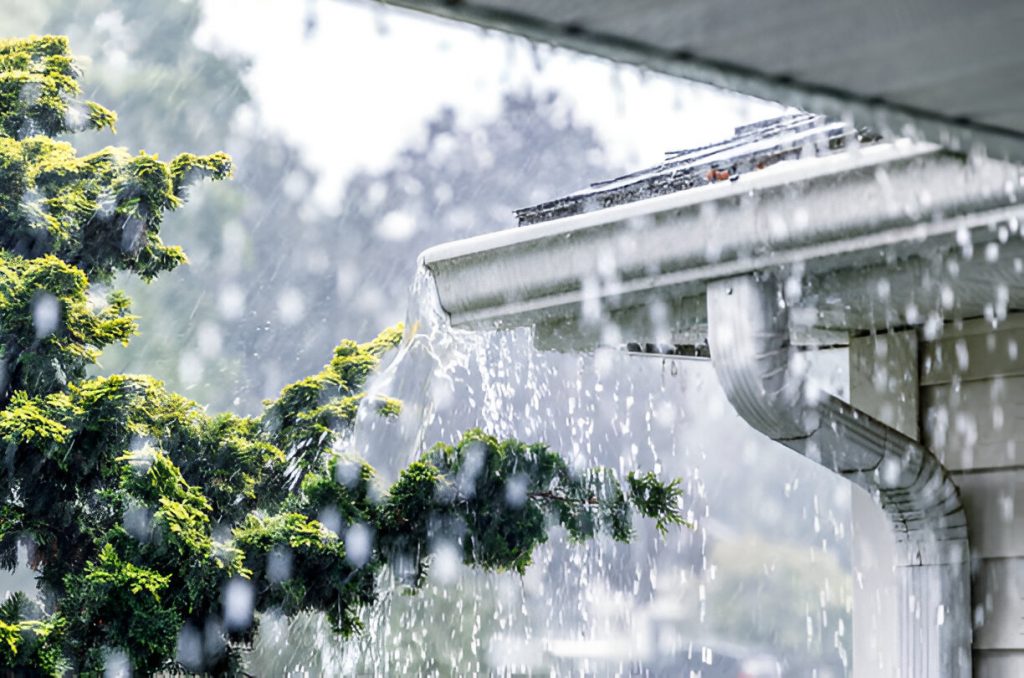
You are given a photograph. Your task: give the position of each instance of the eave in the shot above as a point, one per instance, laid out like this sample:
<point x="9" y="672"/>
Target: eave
<point x="889" y="235"/>
<point x="942" y="72"/>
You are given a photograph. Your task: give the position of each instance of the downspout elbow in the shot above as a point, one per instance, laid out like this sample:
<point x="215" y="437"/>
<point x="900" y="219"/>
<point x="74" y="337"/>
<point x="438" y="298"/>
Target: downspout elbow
<point x="765" y="380"/>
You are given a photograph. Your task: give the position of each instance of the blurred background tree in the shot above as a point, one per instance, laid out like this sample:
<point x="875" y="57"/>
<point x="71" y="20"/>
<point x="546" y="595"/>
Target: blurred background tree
<point x="260" y="304"/>
<point x="275" y="279"/>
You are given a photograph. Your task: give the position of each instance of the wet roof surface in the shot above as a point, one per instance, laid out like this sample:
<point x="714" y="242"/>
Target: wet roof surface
<point x="753" y="147"/>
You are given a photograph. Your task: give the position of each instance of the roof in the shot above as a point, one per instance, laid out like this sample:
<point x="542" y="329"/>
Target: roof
<point x="752" y="148"/>
<point x="950" y="70"/>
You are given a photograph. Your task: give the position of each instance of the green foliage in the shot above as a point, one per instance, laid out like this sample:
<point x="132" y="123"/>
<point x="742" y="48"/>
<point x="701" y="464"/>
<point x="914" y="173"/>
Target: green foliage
<point x="656" y="499"/>
<point x="496" y="499"/>
<point x="38" y="79"/>
<point x="311" y="413"/>
<point x="29" y="644"/>
<point x="114" y="603"/>
<point x="316" y="574"/>
<point x="40" y="354"/>
<point x="100" y="213"/>
<point x="142" y="511"/>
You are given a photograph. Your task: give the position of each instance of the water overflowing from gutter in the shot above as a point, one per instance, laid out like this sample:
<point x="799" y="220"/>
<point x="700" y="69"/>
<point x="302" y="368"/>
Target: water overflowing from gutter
<point x="423" y="374"/>
<point x="649" y="607"/>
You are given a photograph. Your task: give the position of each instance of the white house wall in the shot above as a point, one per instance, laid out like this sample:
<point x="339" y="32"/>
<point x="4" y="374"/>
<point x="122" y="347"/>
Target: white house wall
<point x="973" y="419"/>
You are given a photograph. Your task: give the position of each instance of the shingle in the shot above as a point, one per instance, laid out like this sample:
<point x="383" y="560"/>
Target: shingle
<point x="752" y="147"/>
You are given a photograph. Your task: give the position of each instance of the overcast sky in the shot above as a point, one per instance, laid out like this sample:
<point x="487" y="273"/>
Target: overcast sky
<point x="358" y="87"/>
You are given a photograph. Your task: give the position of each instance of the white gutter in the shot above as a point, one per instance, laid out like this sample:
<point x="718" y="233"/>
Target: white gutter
<point x="893" y="213"/>
<point x="764" y="380"/>
<point x="820" y="211"/>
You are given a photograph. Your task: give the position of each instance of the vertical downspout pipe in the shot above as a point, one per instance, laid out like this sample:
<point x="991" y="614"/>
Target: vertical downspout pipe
<point x="764" y="379"/>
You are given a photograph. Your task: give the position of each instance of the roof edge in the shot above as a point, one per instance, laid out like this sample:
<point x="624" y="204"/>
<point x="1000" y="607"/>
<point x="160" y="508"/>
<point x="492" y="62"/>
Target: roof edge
<point x="888" y="117"/>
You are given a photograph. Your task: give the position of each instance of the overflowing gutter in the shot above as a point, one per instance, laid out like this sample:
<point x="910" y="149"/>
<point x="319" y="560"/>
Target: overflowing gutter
<point x="840" y="241"/>
<point x="888" y="206"/>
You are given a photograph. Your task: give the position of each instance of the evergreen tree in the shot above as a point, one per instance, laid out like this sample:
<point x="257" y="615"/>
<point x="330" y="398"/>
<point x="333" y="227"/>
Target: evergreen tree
<point x="156" y="530"/>
<point x="259" y="242"/>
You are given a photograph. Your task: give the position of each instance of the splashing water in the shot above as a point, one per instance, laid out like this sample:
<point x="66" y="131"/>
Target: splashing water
<point x="422" y="375"/>
<point x="652" y="607"/>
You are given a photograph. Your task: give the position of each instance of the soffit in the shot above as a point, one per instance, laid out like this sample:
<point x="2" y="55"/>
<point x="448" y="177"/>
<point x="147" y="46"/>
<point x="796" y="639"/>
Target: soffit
<point x="950" y="69"/>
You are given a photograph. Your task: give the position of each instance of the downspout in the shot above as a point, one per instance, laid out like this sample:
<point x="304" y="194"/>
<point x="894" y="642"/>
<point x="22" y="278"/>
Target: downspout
<point x="763" y="377"/>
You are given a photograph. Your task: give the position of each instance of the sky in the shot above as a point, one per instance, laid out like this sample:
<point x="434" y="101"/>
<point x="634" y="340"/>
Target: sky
<point x="388" y="70"/>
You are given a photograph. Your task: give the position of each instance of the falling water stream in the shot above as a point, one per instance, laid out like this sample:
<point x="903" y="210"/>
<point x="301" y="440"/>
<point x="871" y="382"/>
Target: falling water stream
<point x="766" y="576"/>
<point x="422" y="374"/>
<point x="645" y="608"/>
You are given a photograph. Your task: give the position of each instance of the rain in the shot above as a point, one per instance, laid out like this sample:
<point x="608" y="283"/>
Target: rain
<point x="812" y="322"/>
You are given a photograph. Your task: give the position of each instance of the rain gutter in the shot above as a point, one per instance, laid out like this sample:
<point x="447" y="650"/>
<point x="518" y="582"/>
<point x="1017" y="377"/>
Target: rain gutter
<point x="827" y="212"/>
<point x="724" y="247"/>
